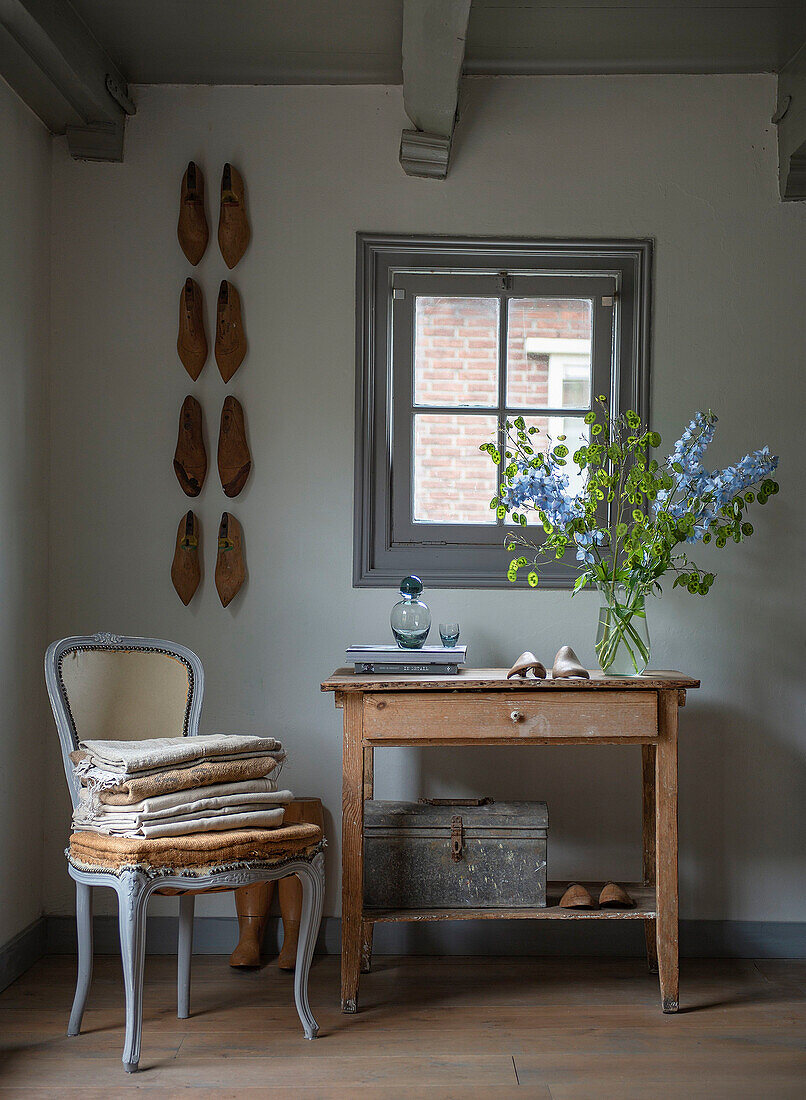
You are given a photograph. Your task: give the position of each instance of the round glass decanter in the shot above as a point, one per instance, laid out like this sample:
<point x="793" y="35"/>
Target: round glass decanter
<point x="410" y="618"/>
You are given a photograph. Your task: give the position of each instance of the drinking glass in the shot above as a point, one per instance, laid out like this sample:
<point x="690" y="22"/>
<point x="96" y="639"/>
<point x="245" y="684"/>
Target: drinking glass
<point x="449" y="633"/>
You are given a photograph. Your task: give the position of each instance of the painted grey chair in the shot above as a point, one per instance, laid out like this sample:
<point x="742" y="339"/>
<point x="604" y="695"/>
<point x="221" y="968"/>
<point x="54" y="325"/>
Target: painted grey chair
<point x="111" y="687"/>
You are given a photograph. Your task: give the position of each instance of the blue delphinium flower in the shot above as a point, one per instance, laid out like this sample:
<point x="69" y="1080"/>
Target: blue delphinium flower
<point x="703" y="493"/>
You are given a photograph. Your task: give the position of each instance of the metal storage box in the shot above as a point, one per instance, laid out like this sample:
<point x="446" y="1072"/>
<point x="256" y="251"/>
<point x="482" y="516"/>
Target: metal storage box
<point x="455" y="855"/>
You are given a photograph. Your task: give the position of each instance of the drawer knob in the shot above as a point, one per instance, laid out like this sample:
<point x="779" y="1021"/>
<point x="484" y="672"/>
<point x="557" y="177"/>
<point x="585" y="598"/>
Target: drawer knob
<point x="517" y="715"/>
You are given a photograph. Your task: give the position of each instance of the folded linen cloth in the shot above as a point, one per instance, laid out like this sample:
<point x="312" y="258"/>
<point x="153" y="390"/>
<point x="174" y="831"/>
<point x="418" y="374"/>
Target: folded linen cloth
<point x="204" y="773"/>
<point x="194" y="823"/>
<point x="196" y="850"/>
<point x="134" y="758"/>
<point x="217" y="797"/>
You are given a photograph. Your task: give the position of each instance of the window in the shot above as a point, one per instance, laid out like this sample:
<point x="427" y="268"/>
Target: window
<point x="454" y="337"/>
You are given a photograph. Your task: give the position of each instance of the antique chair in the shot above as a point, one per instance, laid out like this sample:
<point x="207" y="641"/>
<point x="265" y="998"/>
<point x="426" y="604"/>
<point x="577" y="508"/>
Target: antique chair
<point x="108" y="687"/>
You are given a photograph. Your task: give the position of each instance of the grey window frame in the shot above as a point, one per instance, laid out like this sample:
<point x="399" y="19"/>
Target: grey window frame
<point x="387" y="545"/>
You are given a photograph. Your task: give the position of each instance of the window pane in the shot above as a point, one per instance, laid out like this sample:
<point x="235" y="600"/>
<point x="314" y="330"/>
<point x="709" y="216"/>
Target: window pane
<point x="456" y="351"/>
<point x="454" y="481"/>
<point x="549" y="353"/>
<point x="576" y="432"/>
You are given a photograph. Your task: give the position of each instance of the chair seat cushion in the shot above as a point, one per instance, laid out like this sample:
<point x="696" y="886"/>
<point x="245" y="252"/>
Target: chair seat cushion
<point x="196" y="851"/>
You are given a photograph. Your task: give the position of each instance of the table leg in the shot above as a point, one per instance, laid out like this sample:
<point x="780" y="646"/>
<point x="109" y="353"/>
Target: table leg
<point x="666" y="851"/>
<point x="352" y="851"/>
<point x="367" y="927"/>
<point x="648" y="830"/>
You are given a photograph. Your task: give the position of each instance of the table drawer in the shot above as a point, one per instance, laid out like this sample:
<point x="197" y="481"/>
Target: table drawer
<point x="510" y="717"/>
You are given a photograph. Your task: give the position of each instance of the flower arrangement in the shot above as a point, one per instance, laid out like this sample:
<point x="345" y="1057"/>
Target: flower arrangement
<point x="655" y="509"/>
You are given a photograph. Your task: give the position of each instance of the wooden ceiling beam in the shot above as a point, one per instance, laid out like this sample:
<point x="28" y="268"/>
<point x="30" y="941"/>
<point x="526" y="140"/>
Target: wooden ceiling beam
<point x="791" y="118"/>
<point x="50" y="59"/>
<point x="434" y="34"/>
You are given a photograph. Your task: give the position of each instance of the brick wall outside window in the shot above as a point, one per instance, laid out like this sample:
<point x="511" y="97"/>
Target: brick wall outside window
<point x="456" y="363"/>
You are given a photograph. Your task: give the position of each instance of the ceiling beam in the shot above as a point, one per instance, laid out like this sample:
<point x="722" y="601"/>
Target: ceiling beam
<point x="50" y="59"/>
<point x="791" y="118"/>
<point x="434" y="33"/>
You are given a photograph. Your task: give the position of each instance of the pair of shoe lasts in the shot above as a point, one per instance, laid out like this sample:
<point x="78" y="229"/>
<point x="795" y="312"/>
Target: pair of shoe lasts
<point x="566" y="666"/>
<point x="230" y="338"/>
<point x="612" y="896"/>
<point x="233" y="224"/>
<point x="230" y="571"/>
<point x="190" y="456"/>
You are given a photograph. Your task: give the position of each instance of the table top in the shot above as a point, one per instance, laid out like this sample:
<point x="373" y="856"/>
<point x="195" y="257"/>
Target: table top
<point x="495" y="679"/>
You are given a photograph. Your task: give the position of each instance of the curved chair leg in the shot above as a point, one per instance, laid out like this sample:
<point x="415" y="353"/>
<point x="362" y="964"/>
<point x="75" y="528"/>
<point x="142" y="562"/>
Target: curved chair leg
<point x="132" y="924"/>
<point x="312" y="878"/>
<point x="84" y="930"/>
<point x="184" y="954"/>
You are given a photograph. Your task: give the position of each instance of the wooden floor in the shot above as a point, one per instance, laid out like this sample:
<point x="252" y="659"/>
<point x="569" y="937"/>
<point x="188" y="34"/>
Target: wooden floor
<point x="554" y="1028"/>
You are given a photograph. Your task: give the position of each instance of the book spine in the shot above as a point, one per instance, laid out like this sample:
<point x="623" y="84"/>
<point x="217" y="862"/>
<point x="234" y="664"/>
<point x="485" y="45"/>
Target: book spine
<point x="375" y="668"/>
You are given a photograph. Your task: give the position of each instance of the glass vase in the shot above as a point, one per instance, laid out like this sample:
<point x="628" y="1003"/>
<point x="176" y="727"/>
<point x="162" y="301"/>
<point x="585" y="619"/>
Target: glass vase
<point x="410" y="618"/>
<point x="622" y="640"/>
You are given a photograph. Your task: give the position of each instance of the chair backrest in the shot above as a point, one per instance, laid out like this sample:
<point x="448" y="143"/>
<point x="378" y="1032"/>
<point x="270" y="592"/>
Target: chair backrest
<point x="107" y="687"/>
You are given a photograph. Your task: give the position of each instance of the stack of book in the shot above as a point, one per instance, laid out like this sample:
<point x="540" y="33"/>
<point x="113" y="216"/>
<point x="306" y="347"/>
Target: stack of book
<point x="385" y="660"/>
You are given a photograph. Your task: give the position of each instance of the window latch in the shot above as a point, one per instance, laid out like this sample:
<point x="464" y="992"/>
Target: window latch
<point x="505" y="280"/>
<point x="609" y="299"/>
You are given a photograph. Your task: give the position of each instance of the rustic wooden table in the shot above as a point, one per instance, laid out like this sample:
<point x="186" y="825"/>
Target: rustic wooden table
<point x="483" y="707"/>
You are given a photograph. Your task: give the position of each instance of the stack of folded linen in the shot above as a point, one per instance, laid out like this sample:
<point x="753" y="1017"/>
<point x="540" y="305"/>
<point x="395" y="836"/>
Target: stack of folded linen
<point x="174" y="786"/>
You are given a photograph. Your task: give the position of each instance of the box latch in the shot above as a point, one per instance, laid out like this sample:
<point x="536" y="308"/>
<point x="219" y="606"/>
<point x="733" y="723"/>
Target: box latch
<point x="457" y="838"/>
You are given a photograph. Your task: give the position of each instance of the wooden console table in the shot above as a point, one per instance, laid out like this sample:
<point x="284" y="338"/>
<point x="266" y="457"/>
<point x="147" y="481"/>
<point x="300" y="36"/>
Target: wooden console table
<point x="482" y="707"/>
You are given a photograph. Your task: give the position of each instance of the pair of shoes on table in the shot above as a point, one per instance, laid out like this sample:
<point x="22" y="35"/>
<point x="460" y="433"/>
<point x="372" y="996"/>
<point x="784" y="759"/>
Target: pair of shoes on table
<point x="566" y="666"/>
<point x="233" y="224"/>
<point x="613" y="896"/>
<point x="190" y="456"/>
<point x="230" y="570"/>
<point x="230" y="338"/>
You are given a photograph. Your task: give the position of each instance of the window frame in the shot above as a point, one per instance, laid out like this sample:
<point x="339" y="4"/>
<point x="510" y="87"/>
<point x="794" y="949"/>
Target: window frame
<point x="386" y="546"/>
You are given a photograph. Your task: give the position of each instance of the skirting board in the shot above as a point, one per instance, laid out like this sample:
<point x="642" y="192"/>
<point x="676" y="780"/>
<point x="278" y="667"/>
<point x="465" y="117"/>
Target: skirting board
<point x="218" y="935"/>
<point x="698" y="939"/>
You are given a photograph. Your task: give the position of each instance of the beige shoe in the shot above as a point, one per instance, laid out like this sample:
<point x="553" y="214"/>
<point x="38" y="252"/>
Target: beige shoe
<point x="526" y="663"/>
<point x="614" y="896"/>
<point x="192" y="229"/>
<point x="567" y="665"/>
<point x="577" y="897"/>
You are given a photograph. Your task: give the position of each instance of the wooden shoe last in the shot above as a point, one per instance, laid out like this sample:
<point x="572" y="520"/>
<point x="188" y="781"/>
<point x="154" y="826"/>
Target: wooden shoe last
<point x="230" y="339"/>
<point x="190" y="456"/>
<point x="233" y="224"/>
<point x="234" y="460"/>
<point x="230" y="572"/>
<point x="191" y="343"/>
<point x="192" y="230"/>
<point x="186" y="567"/>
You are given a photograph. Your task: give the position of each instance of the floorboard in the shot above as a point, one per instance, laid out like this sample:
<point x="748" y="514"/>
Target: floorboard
<point x="551" y="1028"/>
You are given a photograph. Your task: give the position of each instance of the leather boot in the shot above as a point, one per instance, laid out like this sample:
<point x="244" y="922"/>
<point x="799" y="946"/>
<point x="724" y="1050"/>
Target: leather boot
<point x="234" y="460"/>
<point x="190" y="457"/>
<point x="233" y="225"/>
<point x="230" y="572"/>
<point x="186" y="567"/>
<point x="230" y="339"/>
<point x="192" y="229"/>
<point x="191" y="343"/>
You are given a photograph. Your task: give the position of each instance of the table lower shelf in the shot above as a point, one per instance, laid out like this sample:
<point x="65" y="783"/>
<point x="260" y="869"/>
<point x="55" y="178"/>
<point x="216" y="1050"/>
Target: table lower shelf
<point x="644" y="896"/>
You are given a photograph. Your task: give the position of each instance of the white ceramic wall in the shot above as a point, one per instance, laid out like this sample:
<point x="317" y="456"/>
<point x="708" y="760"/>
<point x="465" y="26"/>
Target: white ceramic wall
<point x="25" y="152"/>
<point x="690" y="161"/>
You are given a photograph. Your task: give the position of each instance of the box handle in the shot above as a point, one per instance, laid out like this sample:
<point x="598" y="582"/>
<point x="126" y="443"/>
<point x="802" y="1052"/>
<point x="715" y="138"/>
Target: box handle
<point x="455" y="801"/>
<point x="457" y="838"/>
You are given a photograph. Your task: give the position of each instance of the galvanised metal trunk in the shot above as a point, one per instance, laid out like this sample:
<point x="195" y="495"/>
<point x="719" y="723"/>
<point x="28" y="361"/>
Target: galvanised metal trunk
<point x="458" y="855"/>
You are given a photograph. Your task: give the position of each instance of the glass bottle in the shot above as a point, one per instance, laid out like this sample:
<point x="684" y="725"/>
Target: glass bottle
<point x="410" y="618"/>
